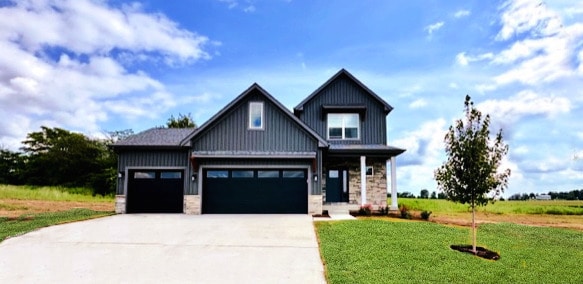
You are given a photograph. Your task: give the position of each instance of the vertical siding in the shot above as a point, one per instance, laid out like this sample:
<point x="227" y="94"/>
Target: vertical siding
<point x="344" y="91"/>
<point x="231" y="133"/>
<point x="154" y="158"/>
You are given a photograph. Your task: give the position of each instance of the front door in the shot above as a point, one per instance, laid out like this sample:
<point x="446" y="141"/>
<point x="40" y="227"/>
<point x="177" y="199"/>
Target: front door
<point x="337" y="185"/>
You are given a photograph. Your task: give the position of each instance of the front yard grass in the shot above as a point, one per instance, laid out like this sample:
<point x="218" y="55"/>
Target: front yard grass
<point x="380" y="251"/>
<point x="14" y="226"/>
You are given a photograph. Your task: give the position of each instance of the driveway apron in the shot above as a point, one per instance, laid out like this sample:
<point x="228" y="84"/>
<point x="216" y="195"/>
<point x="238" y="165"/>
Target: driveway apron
<point x="167" y="248"/>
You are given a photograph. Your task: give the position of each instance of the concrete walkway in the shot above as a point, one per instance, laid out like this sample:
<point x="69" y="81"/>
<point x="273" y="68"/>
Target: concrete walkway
<point x="167" y="249"/>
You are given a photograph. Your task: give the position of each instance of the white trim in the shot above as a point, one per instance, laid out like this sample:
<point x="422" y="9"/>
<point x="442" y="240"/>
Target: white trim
<point x="362" y="180"/>
<point x="394" y="203"/>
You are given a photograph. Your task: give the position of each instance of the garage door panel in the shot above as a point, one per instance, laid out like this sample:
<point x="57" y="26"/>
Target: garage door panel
<point x="155" y="191"/>
<point x="266" y="192"/>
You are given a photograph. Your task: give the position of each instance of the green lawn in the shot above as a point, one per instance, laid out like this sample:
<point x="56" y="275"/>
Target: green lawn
<point x="552" y="207"/>
<point x="50" y="193"/>
<point x="380" y="251"/>
<point x="10" y="227"/>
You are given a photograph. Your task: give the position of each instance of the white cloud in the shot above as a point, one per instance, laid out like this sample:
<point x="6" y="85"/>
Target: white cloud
<point x="463" y="59"/>
<point x="434" y="27"/>
<point x="418" y="103"/>
<point x="526" y="16"/>
<point x="62" y="64"/>
<point x="523" y="104"/>
<point x="462" y="13"/>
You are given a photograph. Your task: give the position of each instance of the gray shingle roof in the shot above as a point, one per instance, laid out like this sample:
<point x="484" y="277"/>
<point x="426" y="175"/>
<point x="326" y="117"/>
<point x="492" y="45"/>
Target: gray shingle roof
<point x="156" y="137"/>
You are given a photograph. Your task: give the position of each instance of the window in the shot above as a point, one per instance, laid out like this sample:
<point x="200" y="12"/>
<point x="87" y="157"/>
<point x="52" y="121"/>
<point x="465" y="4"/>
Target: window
<point x="268" y="174"/>
<point x="241" y="174"/>
<point x="343" y="126"/>
<point x="144" y="175"/>
<point x="171" y="175"/>
<point x="217" y="174"/>
<point x="293" y="174"/>
<point x="256" y="115"/>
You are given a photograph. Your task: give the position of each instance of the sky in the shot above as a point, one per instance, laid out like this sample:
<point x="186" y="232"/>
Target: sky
<point x="99" y="66"/>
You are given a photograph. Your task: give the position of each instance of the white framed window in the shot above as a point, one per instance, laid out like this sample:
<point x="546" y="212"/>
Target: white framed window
<point x="343" y="126"/>
<point x="256" y="116"/>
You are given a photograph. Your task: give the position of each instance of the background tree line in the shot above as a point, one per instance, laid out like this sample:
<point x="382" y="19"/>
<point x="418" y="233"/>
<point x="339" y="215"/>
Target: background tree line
<point x="58" y="157"/>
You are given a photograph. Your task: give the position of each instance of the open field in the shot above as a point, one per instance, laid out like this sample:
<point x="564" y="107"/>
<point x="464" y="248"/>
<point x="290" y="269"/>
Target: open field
<point x="18" y="200"/>
<point x="24" y="209"/>
<point x="371" y="250"/>
<point x="551" y="213"/>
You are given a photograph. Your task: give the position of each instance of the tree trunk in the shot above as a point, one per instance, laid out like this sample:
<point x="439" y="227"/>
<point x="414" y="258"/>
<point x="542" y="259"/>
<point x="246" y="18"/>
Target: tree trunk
<point x="474" y="250"/>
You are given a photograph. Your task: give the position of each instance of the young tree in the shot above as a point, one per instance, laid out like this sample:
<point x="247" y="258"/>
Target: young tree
<point x="470" y="175"/>
<point x="183" y="121"/>
<point x="424" y="194"/>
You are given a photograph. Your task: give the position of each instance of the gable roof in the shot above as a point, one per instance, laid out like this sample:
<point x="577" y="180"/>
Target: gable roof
<point x="233" y="103"/>
<point x="387" y="107"/>
<point x="155" y="138"/>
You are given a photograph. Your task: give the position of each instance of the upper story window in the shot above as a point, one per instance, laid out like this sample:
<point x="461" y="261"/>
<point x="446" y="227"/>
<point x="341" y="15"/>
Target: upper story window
<point x="256" y="116"/>
<point x="343" y="126"/>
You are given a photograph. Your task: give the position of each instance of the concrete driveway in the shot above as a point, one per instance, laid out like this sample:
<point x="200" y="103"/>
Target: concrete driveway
<point x="167" y="249"/>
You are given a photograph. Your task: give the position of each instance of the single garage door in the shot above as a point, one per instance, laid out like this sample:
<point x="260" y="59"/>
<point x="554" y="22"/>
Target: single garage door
<point x="155" y="191"/>
<point x="254" y="191"/>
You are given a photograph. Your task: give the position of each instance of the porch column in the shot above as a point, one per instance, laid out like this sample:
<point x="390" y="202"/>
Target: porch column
<point x="394" y="204"/>
<point x="362" y="180"/>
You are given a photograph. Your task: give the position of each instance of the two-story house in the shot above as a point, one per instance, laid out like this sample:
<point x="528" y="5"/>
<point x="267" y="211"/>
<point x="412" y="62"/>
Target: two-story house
<point x="256" y="156"/>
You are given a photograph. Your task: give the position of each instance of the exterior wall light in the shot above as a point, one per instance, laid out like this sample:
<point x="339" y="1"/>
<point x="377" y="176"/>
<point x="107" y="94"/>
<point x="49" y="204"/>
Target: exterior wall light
<point x="315" y="178"/>
<point x="193" y="178"/>
<point x="120" y="175"/>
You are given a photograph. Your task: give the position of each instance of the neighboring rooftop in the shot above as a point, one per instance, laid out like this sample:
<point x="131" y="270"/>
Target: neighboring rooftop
<point x="156" y="137"/>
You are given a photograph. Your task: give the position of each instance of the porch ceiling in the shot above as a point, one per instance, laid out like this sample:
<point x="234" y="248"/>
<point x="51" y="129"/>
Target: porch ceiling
<point x="369" y="150"/>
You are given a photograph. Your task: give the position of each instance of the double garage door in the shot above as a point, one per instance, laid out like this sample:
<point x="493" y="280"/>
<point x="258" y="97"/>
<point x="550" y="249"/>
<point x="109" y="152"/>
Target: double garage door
<point x="255" y="191"/>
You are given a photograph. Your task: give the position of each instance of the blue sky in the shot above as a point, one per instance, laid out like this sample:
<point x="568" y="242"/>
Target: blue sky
<point x="98" y="66"/>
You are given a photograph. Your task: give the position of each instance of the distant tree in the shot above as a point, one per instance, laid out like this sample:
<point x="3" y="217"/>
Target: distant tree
<point x="55" y="156"/>
<point x="424" y="194"/>
<point x="11" y="167"/>
<point x="183" y="121"/>
<point x="532" y="195"/>
<point x="470" y="173"/>
<point x="118" y="135"/>
<point x="441" y="195"/>
<point x="433" y="195"/>
<point x="405" y="194"/>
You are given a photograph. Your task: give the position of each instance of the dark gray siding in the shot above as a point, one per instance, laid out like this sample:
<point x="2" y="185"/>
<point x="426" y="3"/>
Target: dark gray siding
<point x="231" y="133"/>
<point x="152" y="159"/>
<point x="344" y="91"/>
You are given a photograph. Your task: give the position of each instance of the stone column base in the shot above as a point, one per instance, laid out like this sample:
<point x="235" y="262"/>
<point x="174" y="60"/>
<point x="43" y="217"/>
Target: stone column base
<point x="120" y="204"/>
<point x="192" y="204"/>
<point x="315" y="204"/>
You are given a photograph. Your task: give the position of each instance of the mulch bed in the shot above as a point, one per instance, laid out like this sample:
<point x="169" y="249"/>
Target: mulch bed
<point x="481" y="252"/>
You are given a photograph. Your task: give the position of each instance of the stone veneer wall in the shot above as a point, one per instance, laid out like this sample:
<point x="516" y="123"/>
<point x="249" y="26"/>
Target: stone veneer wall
<point x="120" y="204"/>
<point x="192" y="204"/>
<point x="376" y="185"/>
<point x="315" y="204"/>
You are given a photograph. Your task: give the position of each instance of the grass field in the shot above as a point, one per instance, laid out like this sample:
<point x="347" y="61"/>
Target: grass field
<point x="553" y="213"/>
<point x="550" y="207"/>
<point x="24" y="209"/>
<point x="384" y="251"/>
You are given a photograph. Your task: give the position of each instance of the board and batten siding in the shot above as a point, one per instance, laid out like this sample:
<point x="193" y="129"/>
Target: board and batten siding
<point x="231" y="132"/>
<point x="344" y="91"/>
<point x="154" y="159"/>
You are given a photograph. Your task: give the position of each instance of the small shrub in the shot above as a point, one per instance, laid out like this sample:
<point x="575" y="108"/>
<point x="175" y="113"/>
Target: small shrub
<point x="425" y="215"/>
<point x="405" y="212"/>
<point x="384" y="210"/>
<point x="365" y="210"/>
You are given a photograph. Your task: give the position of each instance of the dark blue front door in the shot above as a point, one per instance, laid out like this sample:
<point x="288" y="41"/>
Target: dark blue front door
<point x="337" y="185"/>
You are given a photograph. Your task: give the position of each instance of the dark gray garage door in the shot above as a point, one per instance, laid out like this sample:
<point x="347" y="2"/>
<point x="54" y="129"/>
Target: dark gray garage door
<point x="254" y="191"/>
<point x="155" y="191"/>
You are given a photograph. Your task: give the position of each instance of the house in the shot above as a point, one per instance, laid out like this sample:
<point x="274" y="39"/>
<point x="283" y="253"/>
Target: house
<point x="256" y="156"/>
